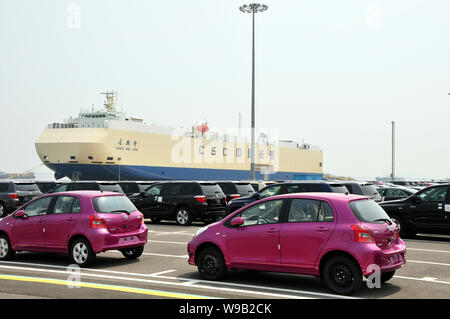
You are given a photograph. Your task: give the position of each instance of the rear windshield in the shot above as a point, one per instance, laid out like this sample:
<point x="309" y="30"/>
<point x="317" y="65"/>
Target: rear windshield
<point x="245" y="189"/>
<point x="367" y="211"/>
<point x="31" y="187"/>
<point x="211" y="189"/>
<point x="369" y="190"/>
<point x="111" y="188"/>
<point x="338" y="188"/>
<point x="113" y="204"/>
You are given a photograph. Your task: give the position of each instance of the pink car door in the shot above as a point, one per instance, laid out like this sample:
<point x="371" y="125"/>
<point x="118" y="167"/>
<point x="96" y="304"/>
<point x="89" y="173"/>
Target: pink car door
<point x="28" y="232"/>
<point x="60" y="222"/>
<point x="304" y="234"/>
<point x="255" y="244"/>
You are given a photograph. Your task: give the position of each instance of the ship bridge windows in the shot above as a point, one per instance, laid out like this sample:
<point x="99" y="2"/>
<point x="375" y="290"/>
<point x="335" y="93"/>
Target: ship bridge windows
<point x="110" y="158"/>
<point x="90" y="157"/>
<point x="73" y="157"/>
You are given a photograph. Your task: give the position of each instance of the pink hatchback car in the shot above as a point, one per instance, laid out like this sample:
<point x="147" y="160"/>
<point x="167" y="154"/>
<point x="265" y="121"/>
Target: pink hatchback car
<point x="81" y="223"/>
<point x="337" y="237"/>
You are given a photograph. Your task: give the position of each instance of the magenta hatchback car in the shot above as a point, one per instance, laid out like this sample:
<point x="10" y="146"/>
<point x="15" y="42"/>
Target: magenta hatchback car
<point x="336" y="237"/>
<point x="81" y="223"/>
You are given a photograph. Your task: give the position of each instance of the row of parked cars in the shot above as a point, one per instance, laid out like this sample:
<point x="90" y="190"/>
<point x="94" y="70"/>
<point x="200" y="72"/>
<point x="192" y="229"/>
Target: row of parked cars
<point x="187" y="201"/>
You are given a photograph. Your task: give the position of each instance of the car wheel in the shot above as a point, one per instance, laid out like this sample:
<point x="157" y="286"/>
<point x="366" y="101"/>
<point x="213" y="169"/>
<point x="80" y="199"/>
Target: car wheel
<point x="183" y="216"/>
<point x="403" y="230"/>
<point x="6" y="252"/>
<point x="342" y="275"/>
<point x="132" y="253"/>
<point x="81" y="253"/>
<point x="2" y="210"/>
<point x="387" y="276"/>
<point x="211" y="264"/>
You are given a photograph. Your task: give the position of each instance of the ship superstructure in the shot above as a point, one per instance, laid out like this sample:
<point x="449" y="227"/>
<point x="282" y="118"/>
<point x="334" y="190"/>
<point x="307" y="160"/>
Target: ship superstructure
<point x="107" y="145"/>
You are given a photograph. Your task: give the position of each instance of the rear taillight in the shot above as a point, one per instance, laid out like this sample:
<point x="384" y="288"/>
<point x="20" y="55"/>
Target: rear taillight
<point x="141" y="218"/>
<point x="363" y="234"/>
<point x="234" y="196"/>
<point x="13" y="196"/>
<point x="200" y="198"/>
<point x="96" y="222"/>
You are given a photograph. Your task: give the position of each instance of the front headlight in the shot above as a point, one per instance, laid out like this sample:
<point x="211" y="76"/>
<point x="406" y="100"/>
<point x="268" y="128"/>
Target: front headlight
<point x="201" y="230"/>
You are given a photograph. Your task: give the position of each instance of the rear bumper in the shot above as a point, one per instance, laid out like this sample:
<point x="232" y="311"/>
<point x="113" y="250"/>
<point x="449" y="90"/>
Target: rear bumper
<point x="386" y="260"/>
<point x="104" y="241"/>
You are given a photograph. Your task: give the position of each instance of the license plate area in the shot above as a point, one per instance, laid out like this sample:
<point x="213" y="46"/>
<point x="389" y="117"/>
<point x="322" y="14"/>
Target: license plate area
<point x="396" y="259"/>
<point x="128" y="240"/>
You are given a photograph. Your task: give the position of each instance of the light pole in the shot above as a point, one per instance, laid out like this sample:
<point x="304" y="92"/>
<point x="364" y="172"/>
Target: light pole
<point x="253" y="8"/>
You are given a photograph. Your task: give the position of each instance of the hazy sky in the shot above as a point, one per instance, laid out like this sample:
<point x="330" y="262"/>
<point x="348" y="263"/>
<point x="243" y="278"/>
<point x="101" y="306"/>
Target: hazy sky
<point x="334" y="73"/>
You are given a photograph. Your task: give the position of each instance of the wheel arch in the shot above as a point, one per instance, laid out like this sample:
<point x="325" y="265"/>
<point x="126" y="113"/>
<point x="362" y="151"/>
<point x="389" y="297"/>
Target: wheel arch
<point x="206" y="245"/>
<point x="334" y="253"/>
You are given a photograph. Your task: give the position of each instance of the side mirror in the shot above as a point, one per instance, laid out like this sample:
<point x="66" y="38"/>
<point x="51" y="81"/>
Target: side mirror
<point x="142" y="194"/>
<point x="237" y="221"/>
<point x="19" y="214"/>
<point x="257" y="196"/>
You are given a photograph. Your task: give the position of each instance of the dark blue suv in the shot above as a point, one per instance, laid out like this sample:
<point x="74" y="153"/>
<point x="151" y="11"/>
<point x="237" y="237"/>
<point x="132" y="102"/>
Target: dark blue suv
<point x="286" y="188"/>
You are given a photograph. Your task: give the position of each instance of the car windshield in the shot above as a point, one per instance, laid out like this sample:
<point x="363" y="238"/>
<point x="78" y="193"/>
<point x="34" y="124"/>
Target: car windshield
<point x="367" y="211"/>
<point x="113" y="204"/>
<point x="27" y="187"/>
<point x="338" y="188"/>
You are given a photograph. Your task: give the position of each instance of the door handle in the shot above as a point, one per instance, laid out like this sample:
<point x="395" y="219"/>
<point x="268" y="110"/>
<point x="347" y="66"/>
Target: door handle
<point x="439" y="206"/>
<point x="322" y="229"/>
<point x="70" y="219"/>
<point x="273" y="230"/>
<point x="41" y="220"/>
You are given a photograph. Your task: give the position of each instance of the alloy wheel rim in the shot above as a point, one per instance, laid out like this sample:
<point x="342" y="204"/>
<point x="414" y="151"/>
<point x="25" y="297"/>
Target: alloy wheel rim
<point x="182" y="216"/>
<point x="80" y="253"/>
<point x="4" y="248"/>
<point x="2" y="210"/>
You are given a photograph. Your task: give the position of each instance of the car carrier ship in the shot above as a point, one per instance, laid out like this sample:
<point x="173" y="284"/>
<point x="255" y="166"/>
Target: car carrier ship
<point x="108" y="145"/>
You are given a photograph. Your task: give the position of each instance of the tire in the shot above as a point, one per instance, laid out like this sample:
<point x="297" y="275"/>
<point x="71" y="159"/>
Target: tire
<point x="342" y="275"/>
<point x="6" y="252"/>
<point x="183" y="216"/>
<point x="211" y="265"/>
<point x="387" y="276"/>
<point x="404" y="231"/>
<point x="81" y="253"/>
<point x="132" y="253"/>
<point x="3" y="212"/>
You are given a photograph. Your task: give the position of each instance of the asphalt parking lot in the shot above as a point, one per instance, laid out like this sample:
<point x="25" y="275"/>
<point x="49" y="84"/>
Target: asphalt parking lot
<point x="163" y="272"/>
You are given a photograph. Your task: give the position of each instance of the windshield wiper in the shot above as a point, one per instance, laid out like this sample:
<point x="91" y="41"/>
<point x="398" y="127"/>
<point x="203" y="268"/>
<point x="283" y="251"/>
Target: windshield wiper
<point x="120" y="211"/>
<point x="384" y="220"/>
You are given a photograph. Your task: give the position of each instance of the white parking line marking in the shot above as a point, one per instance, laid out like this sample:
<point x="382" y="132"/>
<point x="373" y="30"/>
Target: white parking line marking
<point x="421" y="279"/>
<point x="164" y="255"/>
<point x="234" y="290"/>
<point x="430" y="250"/>
<point x="426" y="262"/>
<point x="429" y="278"/>
<point x="167" y="242"/>
<point x="155" y="275"/>
<point x="260" y="287"/>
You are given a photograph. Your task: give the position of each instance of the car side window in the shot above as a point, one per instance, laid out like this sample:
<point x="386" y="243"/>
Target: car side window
<point x="66" y="205"/>
<point x="4" y="187"/>
<point x="435" y="194"/>
<point x="267" y="212"/>
<point x="38" y="207"/>
<point x="308" y="210"/>
<point x="173" y="189"/>
<point x="154" y="190"/>
<point x="270" y="191"/>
